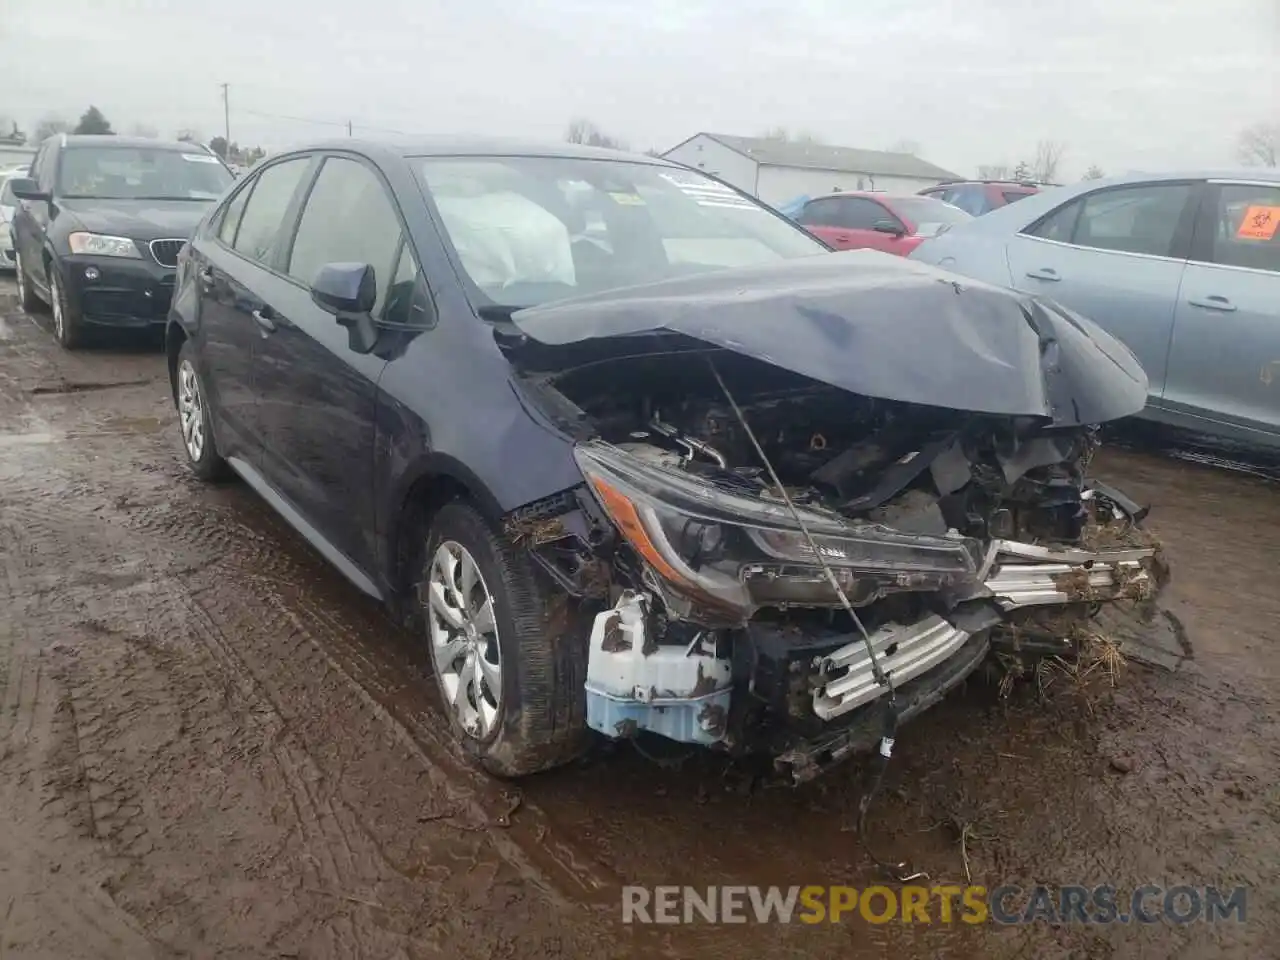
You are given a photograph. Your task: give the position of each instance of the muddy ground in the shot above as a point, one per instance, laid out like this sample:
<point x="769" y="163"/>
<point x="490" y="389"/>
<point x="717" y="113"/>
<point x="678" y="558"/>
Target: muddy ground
<point x="212" y="745"/>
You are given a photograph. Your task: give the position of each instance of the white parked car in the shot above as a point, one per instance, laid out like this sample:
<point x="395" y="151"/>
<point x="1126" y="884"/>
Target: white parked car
<point x="8" y="204"/>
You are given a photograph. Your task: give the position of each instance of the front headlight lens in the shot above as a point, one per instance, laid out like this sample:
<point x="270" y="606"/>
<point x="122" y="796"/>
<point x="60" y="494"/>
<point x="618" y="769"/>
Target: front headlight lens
<point x="742" y="552"/>
<point x="102" y="245"/>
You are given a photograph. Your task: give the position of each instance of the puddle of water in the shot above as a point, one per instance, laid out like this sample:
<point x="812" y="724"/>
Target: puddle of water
<point x="123" y="426"/>
<point x="26" y="439"/>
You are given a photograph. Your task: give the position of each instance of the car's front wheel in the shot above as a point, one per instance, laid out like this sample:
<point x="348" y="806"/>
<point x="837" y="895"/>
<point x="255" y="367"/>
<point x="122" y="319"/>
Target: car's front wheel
<point x="66" y="316"/>
<point x="195" y="419"/>
<point x="513" y="692"/>
<point x="26" y="295"/>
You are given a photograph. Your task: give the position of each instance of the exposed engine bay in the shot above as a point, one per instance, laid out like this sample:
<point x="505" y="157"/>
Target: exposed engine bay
<point x="918" y="469"/>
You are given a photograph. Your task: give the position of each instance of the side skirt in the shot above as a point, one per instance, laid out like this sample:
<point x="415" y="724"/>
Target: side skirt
<point x="295" y="519"/>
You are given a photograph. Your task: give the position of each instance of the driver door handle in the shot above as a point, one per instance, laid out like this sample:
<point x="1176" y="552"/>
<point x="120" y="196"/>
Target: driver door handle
<point x="1044" y="273"/>
<point x="264" y="316"/>
<point x="1213" y="302"/>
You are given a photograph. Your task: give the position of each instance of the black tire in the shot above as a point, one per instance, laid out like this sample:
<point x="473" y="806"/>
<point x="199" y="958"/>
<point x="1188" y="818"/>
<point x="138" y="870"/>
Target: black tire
<point x="26" y="295"/>
<point x="542" y="715"/>
<point x="67" y="326"/>
<point x="208" y="465"/>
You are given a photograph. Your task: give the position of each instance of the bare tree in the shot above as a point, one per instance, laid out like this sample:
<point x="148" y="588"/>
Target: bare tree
<point x="911" y="147"/>
<point x="1094" y="172"/>
<point x="50" y="126"/>
<point x="994" y="171"/>
<point x="585" y="131"/>
<point x="144" y="130"/>
<point x="1048" y="158"/>
<point x="1259" y="145"/>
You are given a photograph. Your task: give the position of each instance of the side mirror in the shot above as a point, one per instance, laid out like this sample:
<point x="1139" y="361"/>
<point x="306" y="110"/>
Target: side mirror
<point x="349" y="291"/>
<point x="24" y="188"/>
<point x="345" y="288"/>
<point x="890" y="227"/>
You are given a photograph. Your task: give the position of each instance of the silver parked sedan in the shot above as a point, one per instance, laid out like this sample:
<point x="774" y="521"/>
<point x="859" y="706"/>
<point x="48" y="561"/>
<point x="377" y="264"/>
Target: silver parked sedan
<point x="1184" y="268"/>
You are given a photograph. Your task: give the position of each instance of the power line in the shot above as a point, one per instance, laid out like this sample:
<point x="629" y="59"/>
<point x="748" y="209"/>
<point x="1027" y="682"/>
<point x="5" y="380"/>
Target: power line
<point x="348" y="125"/>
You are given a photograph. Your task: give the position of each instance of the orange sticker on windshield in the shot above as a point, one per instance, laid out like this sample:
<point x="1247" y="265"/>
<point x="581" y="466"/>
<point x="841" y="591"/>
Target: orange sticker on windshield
<point x="1259" y="223"/>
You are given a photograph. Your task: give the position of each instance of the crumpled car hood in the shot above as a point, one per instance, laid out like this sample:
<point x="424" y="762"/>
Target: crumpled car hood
<point x="880" y="326"/>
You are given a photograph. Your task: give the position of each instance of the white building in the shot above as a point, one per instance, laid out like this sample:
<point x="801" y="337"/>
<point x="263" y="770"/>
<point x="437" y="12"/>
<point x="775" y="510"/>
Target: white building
<point x="13" y="154"/>
<point x="777" y="171"/>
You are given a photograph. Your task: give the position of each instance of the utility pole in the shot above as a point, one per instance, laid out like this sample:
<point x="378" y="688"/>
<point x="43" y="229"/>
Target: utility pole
<point x="348" y="128"/>
<point x="226" y="117"/>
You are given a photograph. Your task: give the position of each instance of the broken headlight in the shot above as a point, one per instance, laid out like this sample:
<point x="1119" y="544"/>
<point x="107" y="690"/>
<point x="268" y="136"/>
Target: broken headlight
<point x="744" y="552"/>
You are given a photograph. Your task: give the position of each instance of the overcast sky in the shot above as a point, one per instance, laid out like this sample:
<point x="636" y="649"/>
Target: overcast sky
<point x="1127" y="84"/>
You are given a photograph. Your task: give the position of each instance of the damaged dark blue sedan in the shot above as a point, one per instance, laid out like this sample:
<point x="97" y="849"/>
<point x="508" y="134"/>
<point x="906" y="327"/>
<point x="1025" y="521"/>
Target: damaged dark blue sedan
<point x="635" y="453"/>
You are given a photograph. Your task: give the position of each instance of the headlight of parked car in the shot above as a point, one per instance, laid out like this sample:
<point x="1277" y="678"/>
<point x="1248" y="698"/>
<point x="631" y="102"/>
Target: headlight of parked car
<point x="102" y="245"/>
<point x="742" y="552"/>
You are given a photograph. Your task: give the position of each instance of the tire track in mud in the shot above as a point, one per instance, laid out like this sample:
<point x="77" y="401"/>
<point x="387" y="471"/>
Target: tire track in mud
<point x="136" y="652"/>
<point x="207" y="746"/>
<point x="383" y="680"/>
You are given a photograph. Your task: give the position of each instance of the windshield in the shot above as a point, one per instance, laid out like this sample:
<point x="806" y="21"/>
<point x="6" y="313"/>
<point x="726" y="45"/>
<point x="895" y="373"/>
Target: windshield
<point x="529" y="230"/>
<point x="140" y="173"/>
<point x="7" y="199"/>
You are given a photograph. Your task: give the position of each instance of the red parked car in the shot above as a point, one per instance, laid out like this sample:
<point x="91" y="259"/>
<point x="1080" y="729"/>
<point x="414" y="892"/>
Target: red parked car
<point x="877" y="221"/>
<point x="982" y="196"/>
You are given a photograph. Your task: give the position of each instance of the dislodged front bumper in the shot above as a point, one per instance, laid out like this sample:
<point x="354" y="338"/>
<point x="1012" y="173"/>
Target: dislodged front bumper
<point x="1015" y="575"/>
<point x="684" y="691"/>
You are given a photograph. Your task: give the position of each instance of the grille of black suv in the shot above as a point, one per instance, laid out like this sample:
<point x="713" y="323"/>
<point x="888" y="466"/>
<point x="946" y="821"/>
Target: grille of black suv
<point x="166" y="251"/>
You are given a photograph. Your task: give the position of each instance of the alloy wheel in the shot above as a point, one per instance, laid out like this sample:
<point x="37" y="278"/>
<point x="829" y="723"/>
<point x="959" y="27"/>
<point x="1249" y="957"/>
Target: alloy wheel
<point x="22" y="280"/>
<point x="464" y="639"/>
<point x="55" y="295"/>
<point x="191" y="410"/>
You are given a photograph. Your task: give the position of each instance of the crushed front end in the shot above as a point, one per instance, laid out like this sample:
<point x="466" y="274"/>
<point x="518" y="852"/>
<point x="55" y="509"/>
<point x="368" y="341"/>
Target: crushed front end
<point x="950" y="533"/>
<point x="799" y="471"/>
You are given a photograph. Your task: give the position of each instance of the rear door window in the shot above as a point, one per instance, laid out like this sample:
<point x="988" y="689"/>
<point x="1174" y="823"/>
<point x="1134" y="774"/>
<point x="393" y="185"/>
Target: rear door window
<point x="262" y="221"/>
<point x="819" y="213"/>
<point x="229" y="219"/>
<point x="859" y="213"/>
<point x="1246" y="227"/>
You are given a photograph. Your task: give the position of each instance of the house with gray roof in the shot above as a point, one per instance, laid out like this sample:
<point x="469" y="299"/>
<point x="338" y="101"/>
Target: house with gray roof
<point x="779" y="170"/>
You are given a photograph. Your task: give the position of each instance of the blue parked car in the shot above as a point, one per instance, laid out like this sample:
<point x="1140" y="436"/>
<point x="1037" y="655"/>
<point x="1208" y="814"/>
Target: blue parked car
<point x="1183" y="268"/>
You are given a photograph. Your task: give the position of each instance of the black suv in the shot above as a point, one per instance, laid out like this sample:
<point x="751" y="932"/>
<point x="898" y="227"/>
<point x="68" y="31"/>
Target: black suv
<point x="630" y="450"/>
<point x="99" y="225"/>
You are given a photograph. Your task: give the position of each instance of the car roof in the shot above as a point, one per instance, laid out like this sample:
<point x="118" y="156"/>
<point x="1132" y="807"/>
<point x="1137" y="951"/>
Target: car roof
<point x="876" y="195"/>
<point x="446" y="146"/>
<point x="1017" y="216"/>
<point x="111" y="140"/>
<point x="998" y="182"/>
